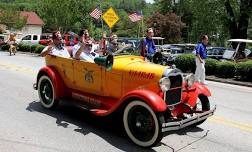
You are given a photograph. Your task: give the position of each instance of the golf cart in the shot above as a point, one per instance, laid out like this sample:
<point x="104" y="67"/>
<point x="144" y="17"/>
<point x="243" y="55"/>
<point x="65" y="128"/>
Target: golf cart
<point x="231" y="54"/>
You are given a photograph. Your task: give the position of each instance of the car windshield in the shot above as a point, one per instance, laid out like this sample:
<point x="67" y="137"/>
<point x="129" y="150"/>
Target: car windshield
<point x="127" y="46"/>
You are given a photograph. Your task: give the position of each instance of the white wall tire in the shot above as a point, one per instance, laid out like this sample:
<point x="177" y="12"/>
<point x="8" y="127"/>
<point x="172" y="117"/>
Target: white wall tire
<point x="46" y="92"/>
<point x="141" y="124"/>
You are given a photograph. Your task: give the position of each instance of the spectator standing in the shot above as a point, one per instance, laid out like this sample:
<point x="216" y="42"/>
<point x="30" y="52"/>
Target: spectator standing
<point x="201" y="55"/>
<point x="147" y="46"/>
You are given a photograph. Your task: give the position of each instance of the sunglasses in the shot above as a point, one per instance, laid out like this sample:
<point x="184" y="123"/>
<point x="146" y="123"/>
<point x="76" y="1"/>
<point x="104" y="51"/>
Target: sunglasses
<point x="89" y="45"/>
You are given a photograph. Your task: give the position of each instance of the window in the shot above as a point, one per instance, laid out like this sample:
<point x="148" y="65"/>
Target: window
<point x="28" y="37"/>
<point x="42" y="37"/>
<point x="35" y="37"/>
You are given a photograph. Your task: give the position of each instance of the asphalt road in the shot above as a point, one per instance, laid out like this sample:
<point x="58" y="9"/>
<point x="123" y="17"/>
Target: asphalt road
<point x="27" y="127"/>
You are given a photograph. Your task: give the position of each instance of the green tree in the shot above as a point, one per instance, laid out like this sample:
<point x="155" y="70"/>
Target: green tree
<point x="238" y="21"/>
<point x="168" y="26"/>
<point x="12" y="19"/>
<point x="66" y="14"/>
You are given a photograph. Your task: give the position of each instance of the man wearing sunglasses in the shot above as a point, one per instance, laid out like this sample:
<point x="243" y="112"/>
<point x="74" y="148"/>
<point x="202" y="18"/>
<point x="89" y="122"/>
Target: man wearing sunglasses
<point x="55" y="47"/>
<point x="83" y="50"/>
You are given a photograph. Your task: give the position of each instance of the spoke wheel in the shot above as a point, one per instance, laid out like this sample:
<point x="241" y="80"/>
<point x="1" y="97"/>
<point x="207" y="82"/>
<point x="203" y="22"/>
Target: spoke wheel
<point x="46" y="92"/>
<point x="141" y="124"/>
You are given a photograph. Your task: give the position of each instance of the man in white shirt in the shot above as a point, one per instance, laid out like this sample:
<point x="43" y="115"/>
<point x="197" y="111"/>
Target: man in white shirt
<point x="56" y="47"/>
<point x="83" y="50"/>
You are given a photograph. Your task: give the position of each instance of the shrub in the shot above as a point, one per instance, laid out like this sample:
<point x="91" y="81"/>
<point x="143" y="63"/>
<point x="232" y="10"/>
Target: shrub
<point x="39" y="49"/>
<point x="33" y="47"/>
<point x="20" y="47"/>
<point x="210" y="66"/>
<point x="24" y="47"/>
<point x="244" y="70"/>
<point x="186" y="62"/>
<point x="226" y="69"/>
<point x="5" y="47"/>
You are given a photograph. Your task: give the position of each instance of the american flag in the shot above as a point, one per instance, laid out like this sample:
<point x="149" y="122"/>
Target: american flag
<point x="96" y="13"/>
<point x="134" y="17"/>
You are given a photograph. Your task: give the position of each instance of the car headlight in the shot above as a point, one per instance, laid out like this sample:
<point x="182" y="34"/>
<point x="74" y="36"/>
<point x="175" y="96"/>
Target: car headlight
<point x="190" y="79"/>
<point x="165" y="84"/>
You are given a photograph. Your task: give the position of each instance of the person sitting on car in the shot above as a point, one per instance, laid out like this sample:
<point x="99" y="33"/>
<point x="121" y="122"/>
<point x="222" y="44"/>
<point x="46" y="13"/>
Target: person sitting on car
<point x="83" y="50"/>
<point x="113" y="44"/>
<point x="55" y="46"/>
<point x="147" y="45"/>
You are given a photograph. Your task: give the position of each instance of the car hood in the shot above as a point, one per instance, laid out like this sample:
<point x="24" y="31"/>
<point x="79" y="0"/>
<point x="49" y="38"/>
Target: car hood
<point x="137" y="66"/>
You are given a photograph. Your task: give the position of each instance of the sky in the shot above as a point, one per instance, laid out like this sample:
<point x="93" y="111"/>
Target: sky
<point x="149" y="1"/>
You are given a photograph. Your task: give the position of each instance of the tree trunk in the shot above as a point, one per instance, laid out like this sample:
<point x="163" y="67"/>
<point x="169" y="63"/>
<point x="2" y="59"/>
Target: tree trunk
<point x="232" y="26"/>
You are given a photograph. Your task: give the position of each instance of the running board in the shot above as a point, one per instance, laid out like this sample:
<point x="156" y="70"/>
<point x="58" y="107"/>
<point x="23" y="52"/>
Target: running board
<point x="187" y="122"/>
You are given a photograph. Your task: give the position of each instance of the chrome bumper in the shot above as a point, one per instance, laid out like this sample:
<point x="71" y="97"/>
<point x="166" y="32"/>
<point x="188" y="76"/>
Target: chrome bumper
<point x="187" y="122"/>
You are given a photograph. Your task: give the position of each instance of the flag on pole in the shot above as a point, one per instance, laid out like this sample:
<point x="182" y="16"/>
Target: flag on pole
<point x="96" y="13"/>
<point x="134" y="17"/>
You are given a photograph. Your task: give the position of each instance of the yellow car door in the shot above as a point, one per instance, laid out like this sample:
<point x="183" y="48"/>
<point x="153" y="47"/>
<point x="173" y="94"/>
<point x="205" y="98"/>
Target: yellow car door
<point x="87" y="77"/>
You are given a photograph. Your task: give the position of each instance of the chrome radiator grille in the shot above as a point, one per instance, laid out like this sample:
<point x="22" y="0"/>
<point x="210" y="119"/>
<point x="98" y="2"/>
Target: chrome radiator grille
<point x="173" y="95"/>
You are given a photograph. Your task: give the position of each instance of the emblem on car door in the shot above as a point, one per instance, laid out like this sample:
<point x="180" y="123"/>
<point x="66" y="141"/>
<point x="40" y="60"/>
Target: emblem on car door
<point x="89" y="75"/>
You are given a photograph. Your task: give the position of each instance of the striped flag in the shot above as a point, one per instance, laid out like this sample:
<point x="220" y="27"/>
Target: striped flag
<point x="134" y="17"/>
<point x="96" y="13"/>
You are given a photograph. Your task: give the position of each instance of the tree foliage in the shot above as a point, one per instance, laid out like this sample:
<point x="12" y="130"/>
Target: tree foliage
<point x="168" y="26"/>
<point x="12" y="19"/>
<point x="238" y="23"/>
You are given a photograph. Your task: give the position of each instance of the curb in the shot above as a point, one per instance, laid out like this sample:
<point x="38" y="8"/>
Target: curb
<point x="228" y="81"/>
<point x="28" y="53"/>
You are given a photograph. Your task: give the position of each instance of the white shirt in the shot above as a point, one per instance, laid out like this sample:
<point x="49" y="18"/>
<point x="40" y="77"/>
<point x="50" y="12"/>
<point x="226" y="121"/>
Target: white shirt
<point x="84" y="55"/>
<point x="58" y="52"/>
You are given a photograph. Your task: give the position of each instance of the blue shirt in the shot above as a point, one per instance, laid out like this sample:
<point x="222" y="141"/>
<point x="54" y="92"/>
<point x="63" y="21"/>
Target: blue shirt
<point x="201" y="50"/>
<point x="150" y="46"/>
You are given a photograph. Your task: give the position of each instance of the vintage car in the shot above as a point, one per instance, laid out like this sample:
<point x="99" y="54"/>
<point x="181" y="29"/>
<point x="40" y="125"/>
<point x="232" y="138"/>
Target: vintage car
<point x="152" y="98"/>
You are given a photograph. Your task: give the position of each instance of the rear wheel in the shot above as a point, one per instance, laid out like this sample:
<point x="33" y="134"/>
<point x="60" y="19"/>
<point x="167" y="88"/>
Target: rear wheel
<point x="202" y="104"/>
<point x="46" y="92"/>
<point x="142" y="125"/>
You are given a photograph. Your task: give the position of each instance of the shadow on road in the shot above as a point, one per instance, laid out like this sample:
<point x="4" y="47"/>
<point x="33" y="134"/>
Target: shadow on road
<point x="107" y="128"/>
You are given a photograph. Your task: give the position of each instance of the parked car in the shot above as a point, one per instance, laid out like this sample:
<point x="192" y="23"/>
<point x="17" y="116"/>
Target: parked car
<point x="215" y="52"/>
<point x="3" y="38"/>
<point x="32" y="39"/>
<point x="171" y="51"/>
<point x="70" y="39"/>
<point x="151" y="98"/>
<point x="44" y="39"/>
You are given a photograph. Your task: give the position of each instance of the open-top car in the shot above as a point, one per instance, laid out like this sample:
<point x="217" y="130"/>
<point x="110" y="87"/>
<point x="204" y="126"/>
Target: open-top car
<point x="151" y="98"/>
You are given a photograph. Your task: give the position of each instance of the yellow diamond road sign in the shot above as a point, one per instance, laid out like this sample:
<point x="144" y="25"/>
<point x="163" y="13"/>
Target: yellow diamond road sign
<point x="110" y="17"/>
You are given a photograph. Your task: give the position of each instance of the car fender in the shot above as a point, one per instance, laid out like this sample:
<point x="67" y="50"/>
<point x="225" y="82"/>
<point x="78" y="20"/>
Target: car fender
<point x="59" y="87"/>
<point x="151" y="98"/>
<point x="190" y="96"/>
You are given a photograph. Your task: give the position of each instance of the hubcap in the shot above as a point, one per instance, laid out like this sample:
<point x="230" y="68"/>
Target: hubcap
<point x="141" y="123"/>
<point x="46" y="92"/>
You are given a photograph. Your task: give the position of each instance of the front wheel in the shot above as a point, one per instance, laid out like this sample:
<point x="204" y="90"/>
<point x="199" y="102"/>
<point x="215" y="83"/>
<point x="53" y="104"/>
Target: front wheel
<point x="202" y="104"/>
<point x="142" y="125"/>
<point x="46" y="92"/>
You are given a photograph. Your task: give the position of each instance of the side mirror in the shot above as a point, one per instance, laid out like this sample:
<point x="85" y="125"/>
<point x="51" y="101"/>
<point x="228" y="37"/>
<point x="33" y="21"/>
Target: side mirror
<point x="105" y="61"/>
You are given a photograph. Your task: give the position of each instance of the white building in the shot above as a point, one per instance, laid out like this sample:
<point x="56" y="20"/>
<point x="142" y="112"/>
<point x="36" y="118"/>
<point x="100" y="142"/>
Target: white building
<point x="33" y="24"/>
